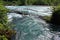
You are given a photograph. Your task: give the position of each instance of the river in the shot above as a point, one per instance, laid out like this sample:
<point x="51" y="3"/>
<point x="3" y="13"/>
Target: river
<point x="31" y="27"/>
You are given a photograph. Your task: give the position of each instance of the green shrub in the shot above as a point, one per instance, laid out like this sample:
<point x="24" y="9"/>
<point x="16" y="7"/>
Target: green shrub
<point x="1" y="26"/>
<point x="2" y="37"/>
<point x="5" y="29"/>
<point x="3" y="15"/>
<point x="56" y="8"/>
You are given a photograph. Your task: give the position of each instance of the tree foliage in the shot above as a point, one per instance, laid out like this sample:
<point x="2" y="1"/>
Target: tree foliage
<point x="31" y="2"/>
<point x="5" y="31"/>
<point x="3" y="14"/>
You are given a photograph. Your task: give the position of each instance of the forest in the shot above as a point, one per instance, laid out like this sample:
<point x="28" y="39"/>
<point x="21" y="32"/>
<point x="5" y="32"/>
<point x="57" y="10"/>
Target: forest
<point x="31" y="2"/>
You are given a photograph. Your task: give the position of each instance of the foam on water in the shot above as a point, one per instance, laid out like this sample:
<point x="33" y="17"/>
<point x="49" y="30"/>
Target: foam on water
<point x="38" y="10"/>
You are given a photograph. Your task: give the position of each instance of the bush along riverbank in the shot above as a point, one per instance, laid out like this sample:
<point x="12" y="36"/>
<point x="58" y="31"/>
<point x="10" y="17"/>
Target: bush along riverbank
<point x="5" y="29"/>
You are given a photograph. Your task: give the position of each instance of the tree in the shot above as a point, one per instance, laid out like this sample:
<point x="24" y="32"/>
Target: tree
<point x="3" y="14"/>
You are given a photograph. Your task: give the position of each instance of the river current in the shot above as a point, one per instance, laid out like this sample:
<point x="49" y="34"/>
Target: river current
<point x="31" y="27"/>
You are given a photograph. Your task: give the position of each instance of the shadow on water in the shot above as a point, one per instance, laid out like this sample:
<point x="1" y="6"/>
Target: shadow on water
<point x="54" y="27"/>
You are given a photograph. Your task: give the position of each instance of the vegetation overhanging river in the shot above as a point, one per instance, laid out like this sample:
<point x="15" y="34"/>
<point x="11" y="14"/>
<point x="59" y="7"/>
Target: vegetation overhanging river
<point x="31" y="27"/>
